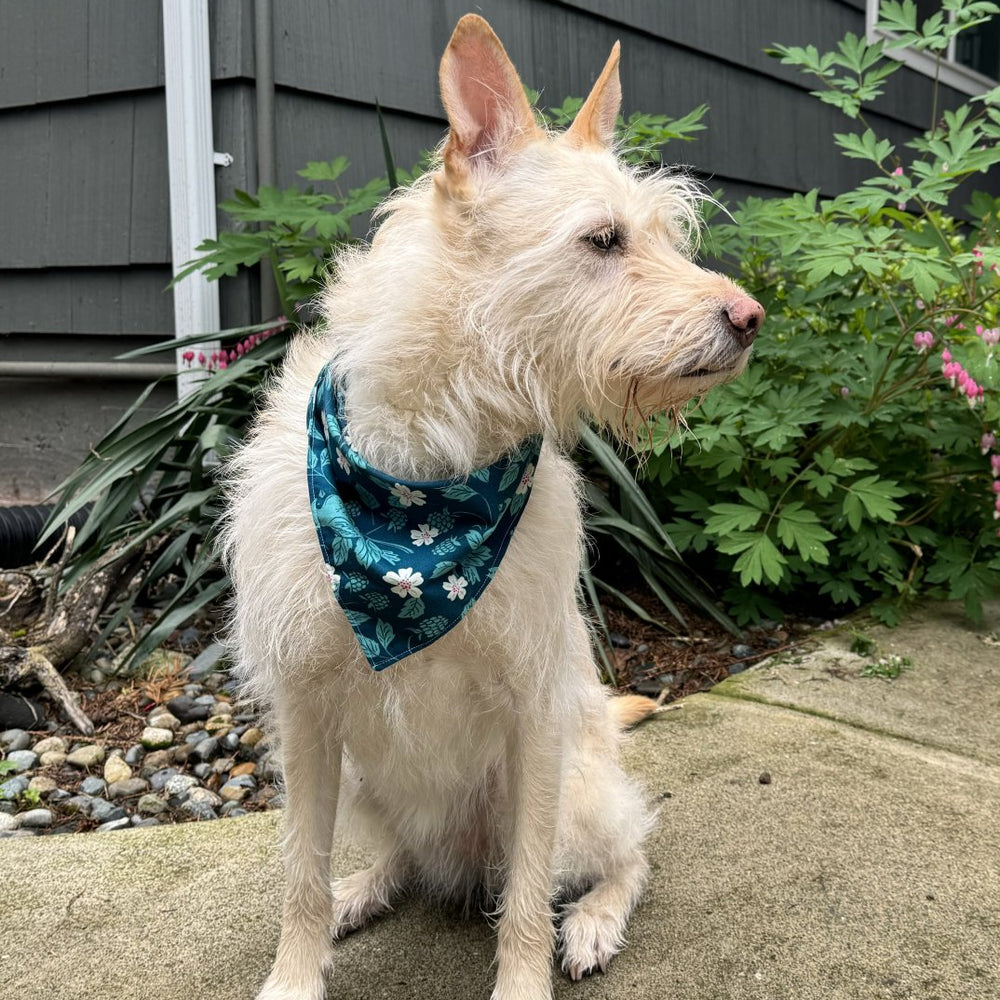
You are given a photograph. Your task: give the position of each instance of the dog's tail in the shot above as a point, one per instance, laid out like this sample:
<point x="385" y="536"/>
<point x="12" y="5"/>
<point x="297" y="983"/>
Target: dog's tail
<point x="628" y="709"/>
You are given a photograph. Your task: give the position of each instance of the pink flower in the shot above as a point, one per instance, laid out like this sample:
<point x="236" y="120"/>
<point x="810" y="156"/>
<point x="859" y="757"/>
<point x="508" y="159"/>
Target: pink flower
<point x="995" y="464"/>
<point x="991" y="337"/>
<point x="188" y="357"/>
<point x="844" y="391"/>
<point x="987" y="441"/>
<point x="996" y="509"/>
<point x="946" y="355"/>
<point x="923" y="341"/>
<point x="898" y="172"/>
<point x="222" y="364"/>
<point x="201" y="357"/>
<point x="996" y="485"/>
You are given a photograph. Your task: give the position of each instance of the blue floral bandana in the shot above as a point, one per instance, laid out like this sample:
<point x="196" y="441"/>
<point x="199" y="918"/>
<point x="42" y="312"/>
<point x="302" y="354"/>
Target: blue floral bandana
<point x="406" y="560"/>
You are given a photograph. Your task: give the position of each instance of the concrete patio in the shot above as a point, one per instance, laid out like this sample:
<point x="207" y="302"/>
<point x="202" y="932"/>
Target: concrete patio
<point x="822" y="835"/>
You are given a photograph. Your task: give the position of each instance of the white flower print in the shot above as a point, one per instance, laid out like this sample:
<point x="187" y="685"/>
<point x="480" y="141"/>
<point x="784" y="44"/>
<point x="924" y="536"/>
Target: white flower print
<point x="332" y="576"/>
<point x="423" y="534"/>
<point x="527" y="479"/>
<point x="343" y="463"/>
<point x="406" y="582"/>
<point x="408" y="497"/>
<point x="455" y="586"/>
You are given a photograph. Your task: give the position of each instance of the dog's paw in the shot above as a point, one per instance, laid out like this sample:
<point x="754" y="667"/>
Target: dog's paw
<point x="357" y="899"/>
<point x="588" y="939"/>
<point x="279" y="989"/>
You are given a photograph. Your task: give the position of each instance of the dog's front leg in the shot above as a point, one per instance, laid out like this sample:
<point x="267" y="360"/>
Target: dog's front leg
<point x="525" y="932"/>
<point x="311" y="757"/>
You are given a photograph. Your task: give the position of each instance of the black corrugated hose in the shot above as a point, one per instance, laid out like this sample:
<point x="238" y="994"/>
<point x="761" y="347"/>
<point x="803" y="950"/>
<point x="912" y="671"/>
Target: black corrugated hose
<point x="20" y="528"/>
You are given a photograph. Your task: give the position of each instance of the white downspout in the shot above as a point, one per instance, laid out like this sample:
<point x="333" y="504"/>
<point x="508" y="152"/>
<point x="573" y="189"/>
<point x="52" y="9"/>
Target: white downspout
<point x="191" y="162"/>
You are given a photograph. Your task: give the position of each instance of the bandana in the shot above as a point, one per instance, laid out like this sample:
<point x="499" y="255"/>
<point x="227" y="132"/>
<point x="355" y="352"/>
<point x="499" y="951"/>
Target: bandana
<point x="406" y="560"/>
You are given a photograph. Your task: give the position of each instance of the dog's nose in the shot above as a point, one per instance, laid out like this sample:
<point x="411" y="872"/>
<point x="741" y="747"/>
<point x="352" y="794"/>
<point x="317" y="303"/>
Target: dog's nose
<point x="743" y="317"/>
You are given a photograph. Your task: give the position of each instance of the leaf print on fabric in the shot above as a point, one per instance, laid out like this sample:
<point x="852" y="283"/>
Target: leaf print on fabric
<point x="405" y="583"/>
<point x="366" y="497"/>
<point x="407" y="497"/>
<point x="510" y="477"/>
<point x="441" y="568"/>
<point x="369" y="647"/>
<point x="413" y="609"/>
<point x="385" y="633"/>
<point x="483" y="475"/>
<point x="367" y="552"/>
<point x="423" y="534"/>
<point x="340" y="549"/>
<point x="455" y="587"/>
<point x="459" y="491"/>
<point x="355" y="617"/>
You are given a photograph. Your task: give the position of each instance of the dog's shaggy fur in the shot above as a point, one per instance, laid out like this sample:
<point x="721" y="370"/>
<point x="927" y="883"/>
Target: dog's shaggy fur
<point x="530" y="280"/>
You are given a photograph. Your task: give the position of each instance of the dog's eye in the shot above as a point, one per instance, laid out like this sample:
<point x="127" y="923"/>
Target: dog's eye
<point x="605" y="240"/>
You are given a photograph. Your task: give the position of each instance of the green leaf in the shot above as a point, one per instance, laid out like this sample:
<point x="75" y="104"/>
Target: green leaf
<point x="321" y="170"/>
<point x="729" y="517"/>
<point x="800" y="527"/>
<point x="760" y="560"/>
<point x="876" y="495"/>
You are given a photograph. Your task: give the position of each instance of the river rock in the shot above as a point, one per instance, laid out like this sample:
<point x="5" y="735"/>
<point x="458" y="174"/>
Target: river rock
<point x="42" y="784"/>
<point x="187" y="710"/>
<point x="155" y="761"/>
<point x="23" y="760"/>
<point x="156" y="739"/>
<point x="13" y="787"/>
<point x="93" y="785"/>
<point x="180" y="784"/>
<point x="126" y="788"/>
<point x="150" y="805"/>
<point x="37" y="819"/>
<point x="160" y="718"/>
<point x="15" y="739"/>
<point x="115" y="769"/>
<point x="50" y="743"/>
<point x="90" y="755"/>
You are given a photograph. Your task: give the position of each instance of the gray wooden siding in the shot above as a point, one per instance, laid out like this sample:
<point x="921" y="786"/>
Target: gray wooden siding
<point x="84" y="220"/>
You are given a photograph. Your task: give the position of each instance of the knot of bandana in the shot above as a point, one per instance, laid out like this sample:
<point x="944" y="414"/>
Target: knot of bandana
<point x="406" y="560"/>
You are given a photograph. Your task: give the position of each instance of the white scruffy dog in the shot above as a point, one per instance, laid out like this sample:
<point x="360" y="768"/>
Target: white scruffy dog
<point x="532" y="279"/>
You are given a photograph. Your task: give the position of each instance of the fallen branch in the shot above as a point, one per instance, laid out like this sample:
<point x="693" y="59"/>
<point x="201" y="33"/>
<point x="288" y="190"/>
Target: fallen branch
<point x="66" y="632"/>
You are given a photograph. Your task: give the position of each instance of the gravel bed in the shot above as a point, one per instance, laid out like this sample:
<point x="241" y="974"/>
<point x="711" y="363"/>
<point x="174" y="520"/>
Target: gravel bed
<point x="168" y="749"/>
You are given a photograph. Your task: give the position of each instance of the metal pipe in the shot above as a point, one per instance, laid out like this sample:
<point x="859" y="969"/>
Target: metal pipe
<point x="106" y="371"/>
<point x="191" y="171"/>
<point x="267" y="157"/>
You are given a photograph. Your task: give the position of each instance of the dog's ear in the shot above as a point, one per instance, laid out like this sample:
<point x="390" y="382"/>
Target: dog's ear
<point x="594" y="124"/>
<point x="488" y="114"/>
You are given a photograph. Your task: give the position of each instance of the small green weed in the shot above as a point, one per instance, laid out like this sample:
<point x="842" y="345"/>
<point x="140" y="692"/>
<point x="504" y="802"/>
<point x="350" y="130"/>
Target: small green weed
<point x="888" y="667"/>
<point x="862" y="644"/>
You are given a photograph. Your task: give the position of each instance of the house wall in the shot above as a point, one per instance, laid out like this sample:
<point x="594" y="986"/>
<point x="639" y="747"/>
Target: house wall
<point x="84" y="250"/>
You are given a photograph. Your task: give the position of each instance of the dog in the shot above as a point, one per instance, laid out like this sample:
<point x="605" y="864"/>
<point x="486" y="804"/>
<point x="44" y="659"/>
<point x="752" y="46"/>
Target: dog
<point x="529" y="281"/>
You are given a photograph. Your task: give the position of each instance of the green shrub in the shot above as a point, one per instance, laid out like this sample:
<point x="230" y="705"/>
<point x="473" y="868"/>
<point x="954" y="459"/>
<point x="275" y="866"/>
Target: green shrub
<point x="855" y="460"/>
